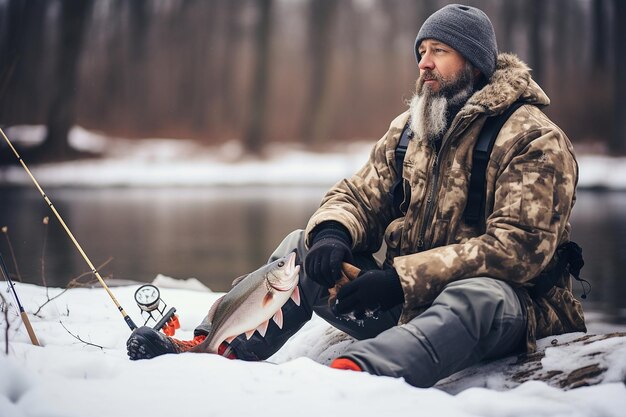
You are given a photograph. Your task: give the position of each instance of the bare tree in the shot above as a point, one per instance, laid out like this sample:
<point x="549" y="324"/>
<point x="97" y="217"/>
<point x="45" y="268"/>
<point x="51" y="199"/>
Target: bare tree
<point x="21" y="40"/>
<point x="199" y="63"/>
<point x="354" y="27"/>
<point x="424" y="8"/>
<point x="255" y="131"/>
<point x="508" y="17"/>
<point x="229" y="63"/>
<point x="4" y="310"/>
<point x="11" y="44"/>
<point x="599" y="49"/>
<point x="139" y="22"/>
<point x="203" y="68"/>
<point x="61" y="111"/>
<point x="535" y="12"/>
<point x="617" y="143"/>
<point x="322" y="14"/>
<point x="139" y="25"/>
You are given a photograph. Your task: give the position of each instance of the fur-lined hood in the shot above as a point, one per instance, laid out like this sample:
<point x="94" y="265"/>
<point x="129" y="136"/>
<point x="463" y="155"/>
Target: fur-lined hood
<point x="510" y="81"/>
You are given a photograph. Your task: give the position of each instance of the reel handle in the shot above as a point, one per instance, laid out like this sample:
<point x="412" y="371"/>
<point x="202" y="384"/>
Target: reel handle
<point x="166" y="317"/>
<point x="349" y="273"/>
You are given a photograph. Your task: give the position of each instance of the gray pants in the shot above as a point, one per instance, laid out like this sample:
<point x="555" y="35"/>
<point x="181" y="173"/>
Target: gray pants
<point x="471" y="320"/>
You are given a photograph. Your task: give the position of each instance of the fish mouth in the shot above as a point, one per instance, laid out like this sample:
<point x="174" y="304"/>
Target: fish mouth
<point x="292" y="271"/>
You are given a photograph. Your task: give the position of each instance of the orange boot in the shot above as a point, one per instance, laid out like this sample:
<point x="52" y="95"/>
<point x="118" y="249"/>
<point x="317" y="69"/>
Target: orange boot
<point x="345" y="363"/>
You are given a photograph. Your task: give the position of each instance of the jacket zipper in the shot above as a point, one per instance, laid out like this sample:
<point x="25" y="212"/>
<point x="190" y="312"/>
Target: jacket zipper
<point x="431" y="199"/>
<point x="431" y="196"/>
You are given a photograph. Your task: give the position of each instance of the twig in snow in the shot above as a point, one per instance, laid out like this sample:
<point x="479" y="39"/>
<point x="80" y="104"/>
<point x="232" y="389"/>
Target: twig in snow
<point x="4" y="308"/>
<point x="74" y="283"/>
<point x="46" y="220"/>
<point x="5" y="230"/>
<point x="78" y="337"/>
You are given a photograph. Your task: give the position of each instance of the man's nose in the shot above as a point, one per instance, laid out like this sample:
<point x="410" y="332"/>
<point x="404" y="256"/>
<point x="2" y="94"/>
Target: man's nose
<point x="426" y="62"/>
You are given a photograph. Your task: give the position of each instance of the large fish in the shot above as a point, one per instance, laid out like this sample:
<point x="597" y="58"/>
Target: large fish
<point x="254" y="300"/>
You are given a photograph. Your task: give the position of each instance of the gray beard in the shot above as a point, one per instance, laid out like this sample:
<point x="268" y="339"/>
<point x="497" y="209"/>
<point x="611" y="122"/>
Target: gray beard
<point x="428" y="115"/>
<point x="429" y="111"/>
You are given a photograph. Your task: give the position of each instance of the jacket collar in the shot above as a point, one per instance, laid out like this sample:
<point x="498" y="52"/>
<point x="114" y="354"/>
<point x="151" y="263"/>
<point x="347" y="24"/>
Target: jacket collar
<point x="510" y="81"/>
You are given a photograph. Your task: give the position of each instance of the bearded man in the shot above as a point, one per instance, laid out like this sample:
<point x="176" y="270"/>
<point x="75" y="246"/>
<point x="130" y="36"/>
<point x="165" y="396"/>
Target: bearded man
<point x="451" y="292"/>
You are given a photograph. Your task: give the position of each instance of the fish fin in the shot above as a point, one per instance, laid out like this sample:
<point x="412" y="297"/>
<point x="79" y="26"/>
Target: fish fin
<point x="249" y="334"/>
<point x="268" y="297"/>
<point x="295" y="296"/>
<point x="262" y="329"/>
<point x="239" y="279"/>
<point x="214" y="308"/>
<point x="278" y="318"/>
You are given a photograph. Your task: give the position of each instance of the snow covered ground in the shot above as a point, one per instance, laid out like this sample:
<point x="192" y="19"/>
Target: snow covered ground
<point x="168" y="162"/>
<point x="67" y="377"/>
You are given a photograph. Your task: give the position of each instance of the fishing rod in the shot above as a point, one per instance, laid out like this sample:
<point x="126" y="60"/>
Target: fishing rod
<point x="127" y="318"/>
<point x="25" y="320"/>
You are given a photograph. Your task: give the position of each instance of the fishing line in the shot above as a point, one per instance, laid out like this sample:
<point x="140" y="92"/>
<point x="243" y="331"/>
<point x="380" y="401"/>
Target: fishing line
<point x="127" y="318"/>
<point x="25" y="320"/>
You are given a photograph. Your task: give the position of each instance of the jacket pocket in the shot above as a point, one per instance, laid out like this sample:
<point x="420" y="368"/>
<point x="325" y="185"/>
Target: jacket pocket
<point x="559" y="312"/>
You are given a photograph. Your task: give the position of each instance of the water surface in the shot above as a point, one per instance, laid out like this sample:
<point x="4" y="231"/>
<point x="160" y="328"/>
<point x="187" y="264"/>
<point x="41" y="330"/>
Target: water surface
<point x="217" y="234"/>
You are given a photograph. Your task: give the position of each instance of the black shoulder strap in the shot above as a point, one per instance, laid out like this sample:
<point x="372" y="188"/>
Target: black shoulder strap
<point x="403" y="144"/>
<point x="397" y="189"/>
<point x="475" y="207"/>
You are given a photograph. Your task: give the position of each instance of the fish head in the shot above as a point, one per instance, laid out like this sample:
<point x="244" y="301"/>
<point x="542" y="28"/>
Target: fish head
<point x="283" y="273"/>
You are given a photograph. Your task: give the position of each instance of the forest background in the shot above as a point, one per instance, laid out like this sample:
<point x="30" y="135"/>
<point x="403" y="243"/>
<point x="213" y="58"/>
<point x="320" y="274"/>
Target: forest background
<point x="314" y="72"/>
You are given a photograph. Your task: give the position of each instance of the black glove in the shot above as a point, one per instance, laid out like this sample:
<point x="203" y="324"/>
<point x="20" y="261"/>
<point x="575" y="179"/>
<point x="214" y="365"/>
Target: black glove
<point x="371" y="291"/>
<point x="331" y="245"/>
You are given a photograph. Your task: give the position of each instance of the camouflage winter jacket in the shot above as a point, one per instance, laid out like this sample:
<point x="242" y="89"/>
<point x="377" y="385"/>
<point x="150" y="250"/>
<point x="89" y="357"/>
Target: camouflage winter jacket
<point x="531" y="181"/>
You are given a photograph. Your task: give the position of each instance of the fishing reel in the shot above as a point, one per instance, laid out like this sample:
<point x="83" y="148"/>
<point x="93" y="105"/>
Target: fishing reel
<point x="148" y="298"/>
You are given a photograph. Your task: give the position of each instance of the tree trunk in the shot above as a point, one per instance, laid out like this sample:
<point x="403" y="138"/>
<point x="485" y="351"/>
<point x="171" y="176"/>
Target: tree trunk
<point x="11" y="45"/>
<point x="424" y="9"/>
<point x="562" y="19"/>
<point x="321" y="18"/>
<point x="228" y="109"/>
<point x="535" y="12"/>
<point x="21" y="39"/>
<point x="599" y="50"/>
<point x="255" y="130"/>
<point x="139" y="17"/>
<point x="617" y="144"/>
<point x="508" y="17"/>
<point x="61" y="111"/>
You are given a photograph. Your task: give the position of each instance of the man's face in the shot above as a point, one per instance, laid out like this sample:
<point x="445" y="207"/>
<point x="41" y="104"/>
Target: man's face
<point x="439" y="65"/>
<point x="446" y="81"/>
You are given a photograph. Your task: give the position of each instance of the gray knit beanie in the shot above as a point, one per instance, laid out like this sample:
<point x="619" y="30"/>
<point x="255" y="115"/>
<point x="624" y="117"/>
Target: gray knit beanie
<point x="466" y="29"/>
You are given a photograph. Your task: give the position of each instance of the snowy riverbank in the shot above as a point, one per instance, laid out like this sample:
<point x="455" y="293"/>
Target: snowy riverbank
<point x="169" y="162"/>
<point x="67" y="377"/>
